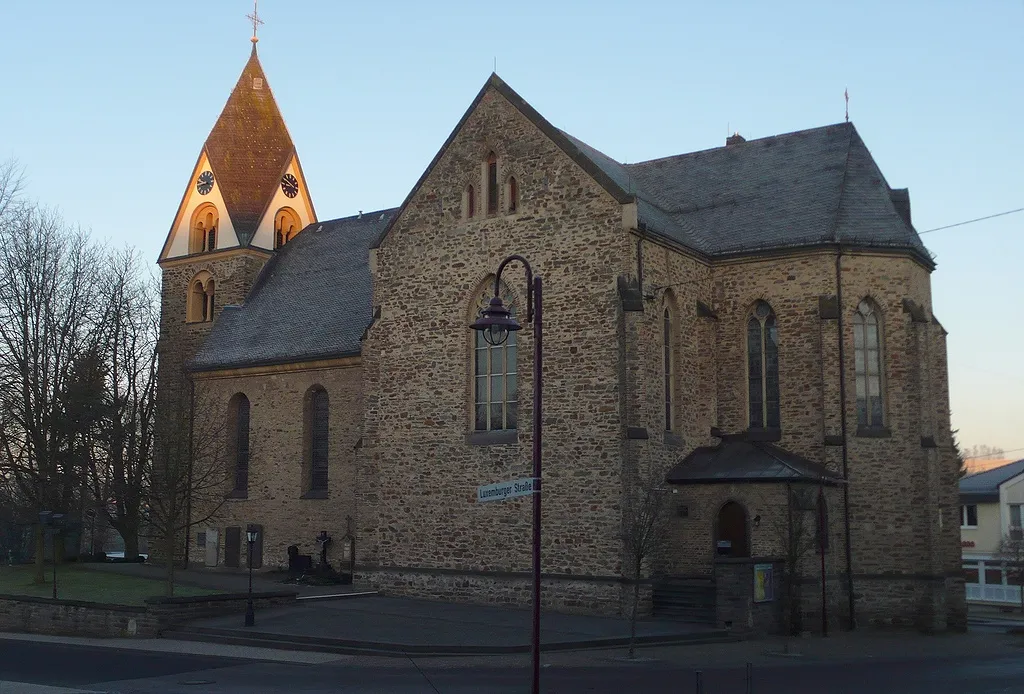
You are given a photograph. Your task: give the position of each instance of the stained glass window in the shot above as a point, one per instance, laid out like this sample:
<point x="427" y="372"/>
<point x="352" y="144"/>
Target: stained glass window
<point x="763" y="368"/>
<point x="319" y="432"/>
<point x="667" y="366"/>
<point x="867" y="348"/>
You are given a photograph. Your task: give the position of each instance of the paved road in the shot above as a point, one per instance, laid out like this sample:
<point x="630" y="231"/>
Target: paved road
<point x="99" y="669"/>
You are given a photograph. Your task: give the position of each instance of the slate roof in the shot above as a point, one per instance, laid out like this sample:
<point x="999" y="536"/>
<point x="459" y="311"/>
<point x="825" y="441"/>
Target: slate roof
<point x="984" y="486"/>
<point x="249" y="148"/>
<point x="804" y="188"/>
<point x="737" y="460"/>
<point x="311" y="301"/>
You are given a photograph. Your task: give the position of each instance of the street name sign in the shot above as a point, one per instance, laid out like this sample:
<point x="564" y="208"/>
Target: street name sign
<point x="499" y="491"/>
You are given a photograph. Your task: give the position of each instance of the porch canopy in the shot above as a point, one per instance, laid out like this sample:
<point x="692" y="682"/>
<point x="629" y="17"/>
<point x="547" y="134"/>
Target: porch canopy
<point x="736" y="460"/>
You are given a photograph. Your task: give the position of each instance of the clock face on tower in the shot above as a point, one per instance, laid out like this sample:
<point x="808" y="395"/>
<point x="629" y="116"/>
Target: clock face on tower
<point x="204" y="184"/>
<point x="289" y="185"/>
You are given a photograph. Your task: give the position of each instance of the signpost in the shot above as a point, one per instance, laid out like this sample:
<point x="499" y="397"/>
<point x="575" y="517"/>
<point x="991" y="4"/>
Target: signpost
<point x="499" y="491"/>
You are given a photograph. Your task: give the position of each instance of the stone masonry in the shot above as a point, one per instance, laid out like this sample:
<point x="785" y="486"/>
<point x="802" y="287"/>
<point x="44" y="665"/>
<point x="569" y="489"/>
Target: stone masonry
<point x="405" y="460"/>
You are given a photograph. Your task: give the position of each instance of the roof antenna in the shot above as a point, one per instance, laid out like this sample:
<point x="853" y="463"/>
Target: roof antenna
<point x="256" y="21"/>
<point x="846" y="95"/>
<point x="495" y="65"/>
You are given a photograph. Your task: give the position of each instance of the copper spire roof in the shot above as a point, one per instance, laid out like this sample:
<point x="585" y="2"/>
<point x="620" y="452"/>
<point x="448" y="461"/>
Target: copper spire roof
<point x="249" y="148"/>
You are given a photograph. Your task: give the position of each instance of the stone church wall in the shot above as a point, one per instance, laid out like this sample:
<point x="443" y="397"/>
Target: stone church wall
<point x="421" y="463"/>
<point x="278" y="452"/>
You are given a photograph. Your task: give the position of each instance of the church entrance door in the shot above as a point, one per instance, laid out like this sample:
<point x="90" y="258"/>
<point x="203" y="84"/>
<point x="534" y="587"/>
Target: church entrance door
<point x="232" y="547"/>
<point x="732" y="539"/>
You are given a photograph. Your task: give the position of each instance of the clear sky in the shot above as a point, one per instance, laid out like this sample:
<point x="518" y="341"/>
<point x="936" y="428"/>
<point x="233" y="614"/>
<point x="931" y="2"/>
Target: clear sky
<point x="107" y="104"/>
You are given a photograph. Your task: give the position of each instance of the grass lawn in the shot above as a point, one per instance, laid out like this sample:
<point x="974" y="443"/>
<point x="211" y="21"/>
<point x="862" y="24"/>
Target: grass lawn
<point x="77" y="583"/>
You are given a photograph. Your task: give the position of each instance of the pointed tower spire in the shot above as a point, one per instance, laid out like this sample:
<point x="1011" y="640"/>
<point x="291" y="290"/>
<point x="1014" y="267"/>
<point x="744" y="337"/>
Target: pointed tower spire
<point x="249" y="148"/>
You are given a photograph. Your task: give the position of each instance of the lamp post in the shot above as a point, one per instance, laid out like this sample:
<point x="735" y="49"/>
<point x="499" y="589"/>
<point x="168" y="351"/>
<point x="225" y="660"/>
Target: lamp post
<point x="251" y="535"/>
<point x="54" y="522"/>
<point x="495" y="322"/>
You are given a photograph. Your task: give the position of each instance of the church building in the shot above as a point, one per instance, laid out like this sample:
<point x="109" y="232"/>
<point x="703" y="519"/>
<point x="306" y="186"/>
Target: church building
<point x="751" y="323"/>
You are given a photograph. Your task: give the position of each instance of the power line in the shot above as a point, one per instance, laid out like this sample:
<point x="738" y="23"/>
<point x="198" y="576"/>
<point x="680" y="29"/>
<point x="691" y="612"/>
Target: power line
<point x="927" y="231"/>
<point x="989" y="455"/>
<point x="972" y="221"/>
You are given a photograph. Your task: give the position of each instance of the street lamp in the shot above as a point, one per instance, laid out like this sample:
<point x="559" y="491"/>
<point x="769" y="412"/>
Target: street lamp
<point x="49" y="520"/>
<point x="251" y="535"/>
<point x="495" y="322"/>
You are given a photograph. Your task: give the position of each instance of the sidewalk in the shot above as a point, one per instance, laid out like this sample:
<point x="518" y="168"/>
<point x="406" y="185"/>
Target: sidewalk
<point x="224" y="580"/>
<point x="404" y="626"/>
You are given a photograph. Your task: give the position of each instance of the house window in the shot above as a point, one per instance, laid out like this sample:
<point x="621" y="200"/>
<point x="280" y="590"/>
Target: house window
<point x="667" y="366"/>
<point x="513" y="195"/>
<point x="286" y="226"/>
<point x="492" y="183"/>
<point x="200" y="302"/>
<point x="238" y="416"/>
<point x="495" y="396"/>
<point x="318" y="422"/>
<point x="867" y="348"/>
<point x="969" y="516"/>
<point x="470" y="202"/>
<point x="1015" y="517"/>
<point x="763" y="367"/>
<point x="203" y="230"/>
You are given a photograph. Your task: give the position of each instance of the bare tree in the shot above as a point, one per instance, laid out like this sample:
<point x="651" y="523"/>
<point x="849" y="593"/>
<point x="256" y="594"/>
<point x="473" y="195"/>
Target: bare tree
<point x="48" y="290"/>
<point x="795" y="534"/>
<point x="645" y="531"/>
<point x="122" y="447"/>
<point x="1011" y="553"/>
<point x="189" y="479"/>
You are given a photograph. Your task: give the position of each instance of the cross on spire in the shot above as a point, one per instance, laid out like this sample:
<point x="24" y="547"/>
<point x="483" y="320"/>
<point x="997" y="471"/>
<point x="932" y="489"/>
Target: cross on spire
<point x="256" y="21"/>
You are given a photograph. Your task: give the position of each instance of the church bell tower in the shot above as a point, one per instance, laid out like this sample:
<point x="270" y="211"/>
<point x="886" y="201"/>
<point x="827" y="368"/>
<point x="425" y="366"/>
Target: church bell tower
<point x="245" y="198"/>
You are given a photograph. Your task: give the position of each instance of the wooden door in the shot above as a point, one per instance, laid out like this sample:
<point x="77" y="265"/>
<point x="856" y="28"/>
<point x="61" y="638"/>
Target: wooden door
<point x="232" y="547"/>
<point x="732" y="540"/>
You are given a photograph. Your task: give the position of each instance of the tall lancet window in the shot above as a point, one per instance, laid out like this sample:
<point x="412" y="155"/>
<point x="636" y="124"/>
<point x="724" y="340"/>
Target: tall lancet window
<point x="668" y="368"/>
<point x="763" y="367"/>
<point x="867" y="349"/>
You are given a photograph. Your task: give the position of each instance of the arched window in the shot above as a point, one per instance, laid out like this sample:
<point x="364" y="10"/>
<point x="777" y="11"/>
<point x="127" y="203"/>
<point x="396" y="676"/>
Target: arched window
<point x="492" y="183"/>
<point x="318" y="430"/>
<point x="286" y="226"/>
<point x="238" y="443"/>
<point x="203" y="230"/>
<point x="731" y="539"/>
<point x="494" y="368"/>
<point x="867" y="348"/>
<point x="668" y="367"/>
<point x="470" y="202"/>
<point x="763" y="367"/>
<point x="200" y="302"/>
<point x="513" y="195"/>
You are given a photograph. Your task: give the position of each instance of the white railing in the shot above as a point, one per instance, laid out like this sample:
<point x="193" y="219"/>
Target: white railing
<point x="983" y="591"/>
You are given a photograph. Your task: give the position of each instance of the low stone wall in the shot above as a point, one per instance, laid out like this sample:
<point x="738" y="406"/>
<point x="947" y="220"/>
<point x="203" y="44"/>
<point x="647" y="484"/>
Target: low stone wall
<point x="572" y="595"/>
<point x="170" y="612"/>
<point x="74" y="618"/>
<point x="78" y="618"/>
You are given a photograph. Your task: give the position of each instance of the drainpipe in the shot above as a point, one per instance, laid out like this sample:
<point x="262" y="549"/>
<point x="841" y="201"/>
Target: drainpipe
<point x="843" y="429"/>
<point x="191" y="453"/>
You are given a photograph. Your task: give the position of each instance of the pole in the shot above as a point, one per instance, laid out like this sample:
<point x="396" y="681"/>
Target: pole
<point x="822" y="533"/>
<point x="851" y="603"/>
<point x="53" y="551"/>
<point x="250" y="612"/>
<point x="538" y="387"/>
